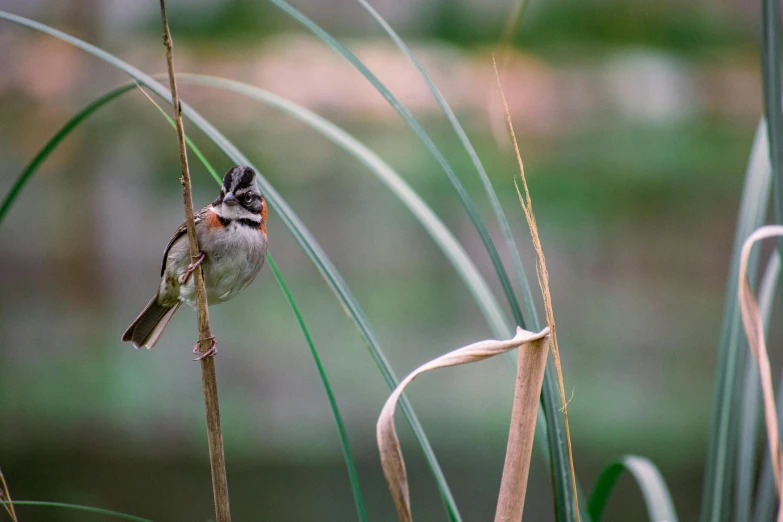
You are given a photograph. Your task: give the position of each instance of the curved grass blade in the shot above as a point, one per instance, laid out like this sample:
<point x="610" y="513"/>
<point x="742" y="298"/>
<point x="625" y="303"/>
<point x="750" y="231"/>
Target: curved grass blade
<point x="732" y="353"/>
<point x="191" y="146"/>
<point x="31" y="167"/>
<point x="519" y="269"/>
<point x="420" y="210"/>
<point x="657" y="498"/>
<point x="346" y="446"/>
<point x="550" y="401"/>
<point x="77" y="507"/>
<point x="300" y="232"/>
<point x="751" y="406"/>
<point x="342" y="433"/>
<point x="470" y="208"/>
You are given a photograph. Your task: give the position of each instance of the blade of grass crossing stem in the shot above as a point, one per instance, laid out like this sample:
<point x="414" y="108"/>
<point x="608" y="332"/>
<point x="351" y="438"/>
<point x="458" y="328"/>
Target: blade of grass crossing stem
<point x="657" y="499"/>
<point x="298" y="229"/>
<point x="77" y="507"/>
<point x="192" y="146"/>
<point x="519" y="269"/>
<point x="751" y="406"/>
<point x="732" y="352"/>
<point x="470" y="208"/>
<point x="31" y="167"/>
<point x="342" y="433"/>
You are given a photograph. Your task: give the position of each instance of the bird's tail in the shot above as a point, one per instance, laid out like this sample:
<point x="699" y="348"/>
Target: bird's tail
<point x="150" y="324"/>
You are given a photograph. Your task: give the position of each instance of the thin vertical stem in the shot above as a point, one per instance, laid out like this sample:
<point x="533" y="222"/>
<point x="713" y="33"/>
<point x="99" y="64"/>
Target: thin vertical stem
<point x="531" y="364"/>
<point x="208" y="379"/>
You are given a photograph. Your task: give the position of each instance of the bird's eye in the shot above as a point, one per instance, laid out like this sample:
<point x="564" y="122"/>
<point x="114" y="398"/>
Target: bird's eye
<point x="248" y="198"/>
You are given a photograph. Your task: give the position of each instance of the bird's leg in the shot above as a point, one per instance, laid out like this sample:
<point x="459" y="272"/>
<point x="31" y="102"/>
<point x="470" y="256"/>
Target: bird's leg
<point x="209" y="353"/>
<point x="191" y="267"/>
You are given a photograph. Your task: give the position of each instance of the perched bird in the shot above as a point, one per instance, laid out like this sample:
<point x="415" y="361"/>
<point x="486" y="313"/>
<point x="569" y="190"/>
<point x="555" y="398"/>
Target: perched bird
<point x="231" y="234"/>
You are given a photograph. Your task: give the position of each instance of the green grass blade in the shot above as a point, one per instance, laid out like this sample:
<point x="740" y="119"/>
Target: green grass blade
<point x="191" y="146"/>
<point x="751" y="404"/>
<point x="732" y="353"/>
<point x="97" y="511"/>
<point x="770" y="69"/>
<point x="297" y="228"/>
<point x="31" y="167"/>
<point x="421" y="211"/>
<point x="771" y="81"/>
<point x="349" y="461"/>
<point x="519" y="269"/>
<point x="660" y="507"/>
<point x="470" y="208"/>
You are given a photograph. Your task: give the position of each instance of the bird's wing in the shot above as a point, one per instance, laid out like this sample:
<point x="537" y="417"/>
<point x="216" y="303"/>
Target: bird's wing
<point x="181" y="231"/>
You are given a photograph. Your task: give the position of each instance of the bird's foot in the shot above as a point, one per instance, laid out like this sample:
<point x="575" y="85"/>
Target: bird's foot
<point x="192" y="267"/>
<point x="209" y="353"/>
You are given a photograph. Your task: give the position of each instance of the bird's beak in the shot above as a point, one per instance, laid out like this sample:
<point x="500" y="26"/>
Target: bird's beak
<point x="230" y="199"/>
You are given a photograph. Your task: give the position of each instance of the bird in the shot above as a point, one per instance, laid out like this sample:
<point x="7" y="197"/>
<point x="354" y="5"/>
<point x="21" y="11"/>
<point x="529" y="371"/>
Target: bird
<point x="232" y="239"/>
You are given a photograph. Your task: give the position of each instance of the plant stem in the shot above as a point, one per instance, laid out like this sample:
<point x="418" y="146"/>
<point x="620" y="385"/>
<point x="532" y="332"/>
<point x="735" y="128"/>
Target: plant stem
<point x="531" y="364"/>
<point x="208" y="379"/>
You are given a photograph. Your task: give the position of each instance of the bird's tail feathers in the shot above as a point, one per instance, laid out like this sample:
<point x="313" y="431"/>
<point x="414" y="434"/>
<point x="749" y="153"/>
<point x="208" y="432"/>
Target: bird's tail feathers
<point x="150" y="324"/>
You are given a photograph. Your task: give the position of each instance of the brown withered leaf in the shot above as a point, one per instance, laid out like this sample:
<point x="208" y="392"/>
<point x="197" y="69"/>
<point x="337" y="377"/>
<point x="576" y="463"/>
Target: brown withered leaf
<point x="754" y="329"/>
<point x="388" y="442"/>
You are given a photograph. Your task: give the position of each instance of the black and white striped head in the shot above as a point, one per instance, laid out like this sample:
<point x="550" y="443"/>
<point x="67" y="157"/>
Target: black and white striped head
<point x="240" y="194"/>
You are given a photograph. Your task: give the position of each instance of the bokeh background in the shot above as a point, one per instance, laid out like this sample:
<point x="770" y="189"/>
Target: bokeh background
<point x="635" y="120"/>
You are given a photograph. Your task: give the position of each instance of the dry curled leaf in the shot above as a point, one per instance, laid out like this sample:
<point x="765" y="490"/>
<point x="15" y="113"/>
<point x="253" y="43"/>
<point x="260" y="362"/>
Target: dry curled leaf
<point x="388" y="442"/>
<point x="754" y="329"/>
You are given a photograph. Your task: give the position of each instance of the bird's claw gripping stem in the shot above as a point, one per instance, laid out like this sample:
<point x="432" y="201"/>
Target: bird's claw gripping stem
<point x="191" y="267"/>
<point x="209" y="353"/>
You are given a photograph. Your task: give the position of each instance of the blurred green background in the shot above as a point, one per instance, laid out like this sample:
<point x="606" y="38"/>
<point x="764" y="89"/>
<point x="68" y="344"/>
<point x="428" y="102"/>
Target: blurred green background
<point x="635" y="120"/>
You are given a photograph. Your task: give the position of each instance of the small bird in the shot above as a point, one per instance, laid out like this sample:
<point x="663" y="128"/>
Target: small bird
<point x="231" y="234"/>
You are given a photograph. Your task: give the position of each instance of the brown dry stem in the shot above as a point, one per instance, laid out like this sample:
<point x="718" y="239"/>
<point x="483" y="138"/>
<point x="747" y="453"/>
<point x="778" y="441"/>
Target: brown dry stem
<point x="531" y="365"/>
<point x="388" y="442"/>
<point x="754" y="329"/>
<point x="208" y="379"/>
<point x="543" y="282"/>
